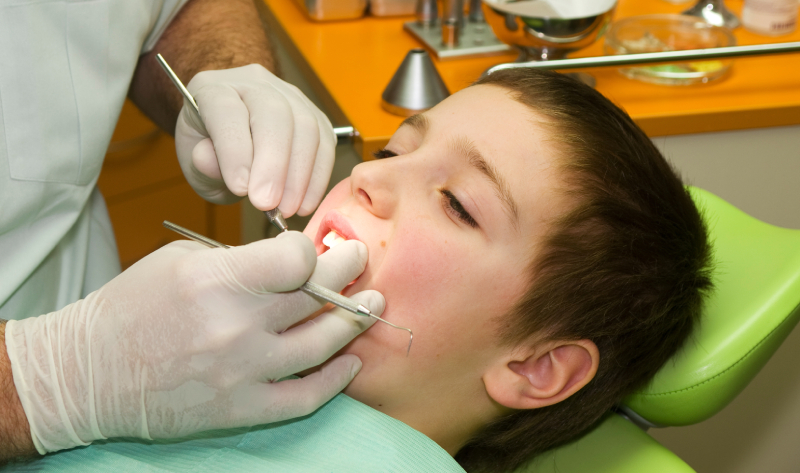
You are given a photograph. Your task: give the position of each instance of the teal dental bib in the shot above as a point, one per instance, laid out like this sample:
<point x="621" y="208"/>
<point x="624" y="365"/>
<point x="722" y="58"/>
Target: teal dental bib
<point x="342" y="436"/>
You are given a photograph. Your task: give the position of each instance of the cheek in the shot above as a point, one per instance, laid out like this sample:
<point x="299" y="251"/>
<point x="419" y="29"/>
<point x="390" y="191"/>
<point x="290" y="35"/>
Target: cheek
<point x="415" y="274"/>
<point x="416" y="266"/>
<point x="436" y="285"/>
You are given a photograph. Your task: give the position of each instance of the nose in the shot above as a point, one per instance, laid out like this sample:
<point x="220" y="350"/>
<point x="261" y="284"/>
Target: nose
<point x="374" y="184"/>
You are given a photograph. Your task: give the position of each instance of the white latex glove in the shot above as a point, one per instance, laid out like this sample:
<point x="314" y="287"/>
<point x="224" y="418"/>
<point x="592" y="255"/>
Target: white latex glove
<point x="190" y="339"/>
<point x="267" y="141"/>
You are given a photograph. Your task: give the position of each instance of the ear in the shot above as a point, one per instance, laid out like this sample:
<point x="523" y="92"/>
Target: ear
<point x="542" y="375"/>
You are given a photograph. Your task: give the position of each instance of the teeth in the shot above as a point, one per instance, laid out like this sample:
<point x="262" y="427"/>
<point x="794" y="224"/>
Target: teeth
<point x="332" y="239"/>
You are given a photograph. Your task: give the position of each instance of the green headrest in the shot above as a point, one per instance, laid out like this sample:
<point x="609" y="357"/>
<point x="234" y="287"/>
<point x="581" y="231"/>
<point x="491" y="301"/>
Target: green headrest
<point x="754" y="307"/>
<point x="615" y="445"/>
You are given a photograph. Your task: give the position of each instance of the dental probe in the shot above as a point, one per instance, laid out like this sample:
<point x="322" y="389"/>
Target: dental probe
<point x="308" y="287"/>
<point x="275" y="217"/>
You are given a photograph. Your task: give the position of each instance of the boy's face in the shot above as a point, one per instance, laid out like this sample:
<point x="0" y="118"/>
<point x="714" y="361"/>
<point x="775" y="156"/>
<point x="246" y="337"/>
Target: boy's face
<point x="449" y="246"/>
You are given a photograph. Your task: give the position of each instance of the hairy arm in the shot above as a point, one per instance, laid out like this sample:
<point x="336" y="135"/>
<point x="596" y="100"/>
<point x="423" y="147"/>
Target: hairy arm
<point x="205" y="35"/>
<point x="15" y="434"/>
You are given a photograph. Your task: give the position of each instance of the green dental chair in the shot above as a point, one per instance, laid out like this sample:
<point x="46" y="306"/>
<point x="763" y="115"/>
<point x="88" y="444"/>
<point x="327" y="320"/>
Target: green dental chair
<point x="754" y="307"/>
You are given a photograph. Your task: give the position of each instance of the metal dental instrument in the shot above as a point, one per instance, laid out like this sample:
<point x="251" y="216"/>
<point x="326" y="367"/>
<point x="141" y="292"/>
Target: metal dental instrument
<point x="308" y="287"/>
<point x="194" y="110"/>
<point x="274" y="216"/>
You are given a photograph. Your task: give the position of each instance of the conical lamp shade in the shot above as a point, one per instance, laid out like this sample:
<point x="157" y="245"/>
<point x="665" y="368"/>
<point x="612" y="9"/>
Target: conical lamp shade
<point x="415" y="87"/>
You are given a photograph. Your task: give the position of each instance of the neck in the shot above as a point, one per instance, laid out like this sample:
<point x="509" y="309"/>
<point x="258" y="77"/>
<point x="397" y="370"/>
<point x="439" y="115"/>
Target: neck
<point x="449" y="422"/>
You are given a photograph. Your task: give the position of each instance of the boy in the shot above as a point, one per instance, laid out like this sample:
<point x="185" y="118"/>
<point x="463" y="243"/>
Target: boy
<point x="547" y="258"/>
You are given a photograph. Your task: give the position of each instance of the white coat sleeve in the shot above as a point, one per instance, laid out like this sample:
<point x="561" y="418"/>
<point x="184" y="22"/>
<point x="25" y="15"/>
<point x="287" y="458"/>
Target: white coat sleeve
<point x="164" y="11"/>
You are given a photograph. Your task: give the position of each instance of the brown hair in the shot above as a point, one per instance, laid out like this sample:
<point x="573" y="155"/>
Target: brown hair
<point x="627" y="267"/>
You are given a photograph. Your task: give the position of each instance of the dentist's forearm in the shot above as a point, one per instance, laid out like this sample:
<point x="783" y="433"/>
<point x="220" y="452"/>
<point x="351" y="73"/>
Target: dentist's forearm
<point x="205" y="35"/>
<point x="15" y="434"/>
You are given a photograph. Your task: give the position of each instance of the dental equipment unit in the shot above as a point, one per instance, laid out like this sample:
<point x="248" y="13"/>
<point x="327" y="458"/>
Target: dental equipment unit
<point x="308" y="287"/>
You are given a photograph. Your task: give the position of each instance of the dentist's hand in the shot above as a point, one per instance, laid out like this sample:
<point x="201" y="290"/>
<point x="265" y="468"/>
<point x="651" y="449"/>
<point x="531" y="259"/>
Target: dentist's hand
<point x="190" y="339"/>
<point x="262" y="138"/>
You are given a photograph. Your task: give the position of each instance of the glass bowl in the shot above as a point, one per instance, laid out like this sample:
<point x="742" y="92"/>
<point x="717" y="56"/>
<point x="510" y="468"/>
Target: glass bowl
<point x="655" y="33"/>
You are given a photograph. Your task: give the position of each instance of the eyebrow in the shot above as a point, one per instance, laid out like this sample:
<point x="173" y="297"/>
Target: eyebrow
<point x="418" y="122"/>
<point x="466" y="148"/>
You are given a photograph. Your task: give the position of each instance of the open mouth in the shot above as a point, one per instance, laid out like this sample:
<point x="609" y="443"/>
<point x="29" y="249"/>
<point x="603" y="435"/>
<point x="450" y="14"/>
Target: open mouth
<point x="332" y="239"/>
<point x="334" y="230"/>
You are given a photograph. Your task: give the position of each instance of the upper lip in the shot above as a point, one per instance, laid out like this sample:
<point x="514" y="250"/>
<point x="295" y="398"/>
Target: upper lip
<point x="334" y="220"/>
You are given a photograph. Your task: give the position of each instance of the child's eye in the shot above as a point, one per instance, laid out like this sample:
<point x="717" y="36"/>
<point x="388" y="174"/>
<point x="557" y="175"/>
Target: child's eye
<point x="384" y="153"/>
<point x="453" y="206"/>
<point x="451" y="203"/>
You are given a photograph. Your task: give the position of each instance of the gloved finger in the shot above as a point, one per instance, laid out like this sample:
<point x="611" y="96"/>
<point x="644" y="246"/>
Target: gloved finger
<point x="325" y="156"/>
<point x="267" y="266"/>
<point x="299" y="397"/>
<point x="228" y="123"/>
<point x="313" y="342"/>
<point x="206" y="177"/>
<point x="272" y="128"/>
<point x="339" y="266"/>
<point x="323" y="166"/>
<point x="204" y="160"/>
<point x="305" y="143"/>
<point x="335" y="269"/>
<point x="201" y="168"/>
